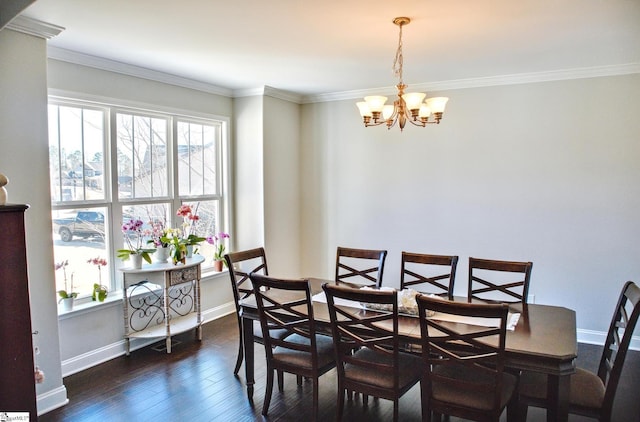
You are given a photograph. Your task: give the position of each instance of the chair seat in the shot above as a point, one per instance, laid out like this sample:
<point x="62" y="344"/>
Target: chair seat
<point x="257" y="333"/>
<point x="466" y="397"/>
<point x="409" y="369"/>
<point x="324" y="345"/>
<point x="587" y="390"/>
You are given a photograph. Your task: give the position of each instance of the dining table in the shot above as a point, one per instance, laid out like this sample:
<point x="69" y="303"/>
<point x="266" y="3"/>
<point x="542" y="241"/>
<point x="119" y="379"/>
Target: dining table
<point x="543" y="340"/>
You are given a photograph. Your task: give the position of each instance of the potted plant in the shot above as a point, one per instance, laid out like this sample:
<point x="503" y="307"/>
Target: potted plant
<point x="218" y="255"/>
<point x="66" y="295"/>
<point x="99" y="291"/>
<point x="190" y="219"/>
<point x="158" y="237"/>
<point x="133" y="237"/>
<point x="177" y="244"/>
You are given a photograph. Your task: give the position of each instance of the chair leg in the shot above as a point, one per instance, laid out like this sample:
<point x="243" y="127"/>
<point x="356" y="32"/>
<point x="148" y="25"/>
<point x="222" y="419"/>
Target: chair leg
<point x="280" y="381"/>
<point x="341" y="393"/>
<point x="299" y="380"/>
<point x="521" y="410"/>
<point x="239" y="359"/>
<point x="395" y="410"/>
<point x="315" y="398"/>
<point x="268" y="391"/>
<point x="240" y="351"/>
<point x="426" y="411"/>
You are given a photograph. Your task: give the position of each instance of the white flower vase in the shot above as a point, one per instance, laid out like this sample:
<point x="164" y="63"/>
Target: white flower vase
<point x="67" y="303"/>
<point x="162" y="255"/>
<point x="189" y="251"/>
<point x="136" y="261"/>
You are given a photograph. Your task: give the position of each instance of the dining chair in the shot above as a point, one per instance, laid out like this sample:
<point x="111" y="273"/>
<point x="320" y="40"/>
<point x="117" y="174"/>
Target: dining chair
<point x="493" y="281"/>
<point x="302" y="352"/>
<point x="240" y="265"/>
<point x="592" y="394"/>
<point x="463" y="374"/>
<point x="367" y="348"/>
<point x="362" y="267"/>
<point x="428" y="273"/>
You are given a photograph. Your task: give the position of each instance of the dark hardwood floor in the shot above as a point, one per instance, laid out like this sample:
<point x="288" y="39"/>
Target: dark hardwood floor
<point x="196" y="383"/>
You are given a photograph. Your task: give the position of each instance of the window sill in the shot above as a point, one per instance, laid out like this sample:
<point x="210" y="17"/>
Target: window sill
<point x="85" y="306"/>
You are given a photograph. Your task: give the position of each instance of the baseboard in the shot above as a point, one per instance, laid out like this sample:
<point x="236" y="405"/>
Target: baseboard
<point x="114" y="350"/>
<point x="599" y="337"/>
<point x="51" y="400"/>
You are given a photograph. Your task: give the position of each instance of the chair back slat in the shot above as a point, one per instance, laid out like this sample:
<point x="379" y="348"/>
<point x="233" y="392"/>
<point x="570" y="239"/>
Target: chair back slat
<point x="453" y="349"/>
<point x="360" y="329"/>
<point x="493" y="281"/>
<point x="291" y="312"/>
<point x="240" y="265"/>
<point x="360" y="266"/>
<point x="616" y="346"/>
<point x="424" y="273"/>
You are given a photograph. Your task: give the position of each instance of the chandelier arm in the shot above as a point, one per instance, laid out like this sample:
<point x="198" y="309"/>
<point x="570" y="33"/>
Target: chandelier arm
<point x="376" y="123"/>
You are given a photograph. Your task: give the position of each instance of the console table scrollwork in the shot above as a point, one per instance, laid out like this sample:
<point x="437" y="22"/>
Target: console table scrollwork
<point x="161" y="300"/>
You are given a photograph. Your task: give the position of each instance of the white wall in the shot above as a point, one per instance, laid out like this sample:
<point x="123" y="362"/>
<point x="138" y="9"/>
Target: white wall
<point x="546" y="172"/>
<point x="248" y="153"/>
<point x="282" y="186"/>
<point x="24" y="160"/>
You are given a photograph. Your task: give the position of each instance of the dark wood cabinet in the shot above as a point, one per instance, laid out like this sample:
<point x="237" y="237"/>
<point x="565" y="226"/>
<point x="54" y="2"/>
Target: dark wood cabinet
<point x="17" y="384"/>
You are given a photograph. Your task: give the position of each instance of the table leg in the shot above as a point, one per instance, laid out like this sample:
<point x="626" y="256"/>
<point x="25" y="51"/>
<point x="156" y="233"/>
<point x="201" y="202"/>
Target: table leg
<point x="558" y="396"/>
<point x="247" y="336"/>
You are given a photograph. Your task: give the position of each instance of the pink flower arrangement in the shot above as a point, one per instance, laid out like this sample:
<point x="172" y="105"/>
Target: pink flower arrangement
<point x="190" y="219"/>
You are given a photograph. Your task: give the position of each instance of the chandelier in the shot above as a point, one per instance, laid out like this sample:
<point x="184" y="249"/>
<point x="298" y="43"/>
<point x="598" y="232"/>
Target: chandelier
<point x="408" y="107"/>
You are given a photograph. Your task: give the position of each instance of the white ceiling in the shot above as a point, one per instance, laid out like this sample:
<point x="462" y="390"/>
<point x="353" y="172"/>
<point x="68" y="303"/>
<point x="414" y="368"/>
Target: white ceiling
<point x="332" y="46"/>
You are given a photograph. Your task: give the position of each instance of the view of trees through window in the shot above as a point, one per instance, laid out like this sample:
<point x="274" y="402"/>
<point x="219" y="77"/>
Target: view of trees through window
<point x="159" y="161"/>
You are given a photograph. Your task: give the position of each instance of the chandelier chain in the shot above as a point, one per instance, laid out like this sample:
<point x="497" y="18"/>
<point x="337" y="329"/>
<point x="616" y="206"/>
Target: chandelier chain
<point x="397" y="62"/>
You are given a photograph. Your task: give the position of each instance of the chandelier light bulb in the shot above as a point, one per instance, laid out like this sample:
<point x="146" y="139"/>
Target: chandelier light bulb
<point x="375" y="102"/>
<point x="437" y="104"/>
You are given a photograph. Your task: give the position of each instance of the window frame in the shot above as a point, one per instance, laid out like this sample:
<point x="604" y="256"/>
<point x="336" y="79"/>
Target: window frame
<point x="114" y="204"/>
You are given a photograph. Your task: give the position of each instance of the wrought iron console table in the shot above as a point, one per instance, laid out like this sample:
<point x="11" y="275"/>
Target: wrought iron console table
<point x="161" y="300"/>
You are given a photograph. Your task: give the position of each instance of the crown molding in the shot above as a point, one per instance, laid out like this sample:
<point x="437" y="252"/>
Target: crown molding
<point x="515" y="79"/>
<point x="132" y="70"/>
<point x="269" y="91"/>
<point x="34" y="27"/>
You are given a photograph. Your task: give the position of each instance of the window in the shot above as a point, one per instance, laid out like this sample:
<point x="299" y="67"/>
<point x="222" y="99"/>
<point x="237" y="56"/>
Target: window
<point x="109" y="164"/>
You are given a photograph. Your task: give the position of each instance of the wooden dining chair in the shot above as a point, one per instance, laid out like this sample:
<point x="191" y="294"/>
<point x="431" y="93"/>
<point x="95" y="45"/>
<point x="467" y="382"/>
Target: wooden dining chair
<point x="367" y="348"/>
<point x="362" y="267"/>
<point x="493" y="281"/>
<point x="240" y="265"/>
<point x="302" y="352"/>
<point x="428" y="273"/>
<point x="463" y="370"/>
<point x="592" y="394"/>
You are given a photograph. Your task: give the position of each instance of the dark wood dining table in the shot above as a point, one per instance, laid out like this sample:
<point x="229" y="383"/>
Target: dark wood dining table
<point x="544" y="341"/>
